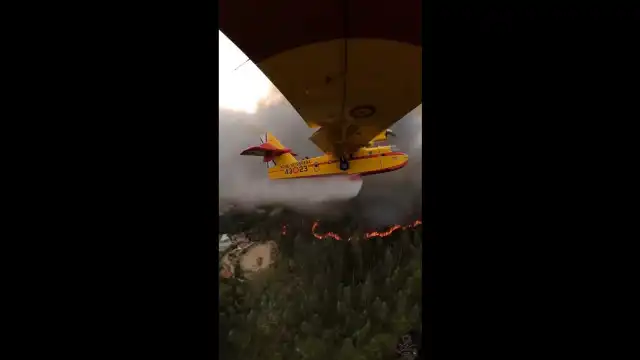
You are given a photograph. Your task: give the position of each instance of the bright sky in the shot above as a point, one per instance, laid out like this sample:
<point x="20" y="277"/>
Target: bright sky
<point x="241" y="89"/>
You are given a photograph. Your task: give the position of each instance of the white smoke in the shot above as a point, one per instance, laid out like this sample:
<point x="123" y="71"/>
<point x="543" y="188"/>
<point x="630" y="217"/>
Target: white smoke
<point x="379" y="199"/>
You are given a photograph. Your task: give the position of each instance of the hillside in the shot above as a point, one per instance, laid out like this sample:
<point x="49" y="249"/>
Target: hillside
<point x="322" y="299"/>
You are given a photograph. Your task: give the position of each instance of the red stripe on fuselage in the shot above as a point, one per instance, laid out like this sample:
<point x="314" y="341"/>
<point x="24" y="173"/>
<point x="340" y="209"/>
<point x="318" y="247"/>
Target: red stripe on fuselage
<point x="395" y="153"/>
<point x="367" y="173"/>
<point x="381" y="171"/>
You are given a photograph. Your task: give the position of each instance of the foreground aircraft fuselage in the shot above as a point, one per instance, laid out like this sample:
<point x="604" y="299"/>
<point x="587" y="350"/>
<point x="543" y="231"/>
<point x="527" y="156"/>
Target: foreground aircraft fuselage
<point x="367" y="161"/>
<point x="282" y="164"/>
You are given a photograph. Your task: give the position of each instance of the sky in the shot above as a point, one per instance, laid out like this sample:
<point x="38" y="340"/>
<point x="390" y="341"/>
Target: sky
<point x="249" y="105"/>
<point x="244" y="88"/>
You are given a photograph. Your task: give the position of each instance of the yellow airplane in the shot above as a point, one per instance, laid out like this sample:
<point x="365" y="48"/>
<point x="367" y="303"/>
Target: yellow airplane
<point x="349" y="71"/>
<point x="282" y="164"/>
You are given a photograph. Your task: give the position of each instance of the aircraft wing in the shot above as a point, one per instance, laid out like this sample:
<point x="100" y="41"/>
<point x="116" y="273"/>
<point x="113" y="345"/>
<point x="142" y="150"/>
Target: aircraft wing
<point x="349" y="138"/>
<point x="349" y="67"/>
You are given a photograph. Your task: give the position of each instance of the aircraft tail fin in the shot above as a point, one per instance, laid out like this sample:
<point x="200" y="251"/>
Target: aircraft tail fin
<point x="272" y="151"/>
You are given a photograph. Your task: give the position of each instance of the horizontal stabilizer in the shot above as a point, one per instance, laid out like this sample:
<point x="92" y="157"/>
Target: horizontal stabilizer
<point x="267" y="150"/>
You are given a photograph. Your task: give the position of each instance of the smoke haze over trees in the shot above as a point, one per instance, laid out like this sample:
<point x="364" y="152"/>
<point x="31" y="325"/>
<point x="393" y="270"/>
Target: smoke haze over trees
<point x="378" y="200"/>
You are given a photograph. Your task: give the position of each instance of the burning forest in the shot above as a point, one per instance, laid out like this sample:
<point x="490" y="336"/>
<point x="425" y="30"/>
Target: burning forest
<point x="287" y="220"/>
<point x="367" y="235"/>
<point x="352" y="298"/>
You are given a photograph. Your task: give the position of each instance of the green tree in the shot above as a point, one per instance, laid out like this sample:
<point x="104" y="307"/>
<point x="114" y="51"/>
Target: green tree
<point x="401" y="302"/>
<point x="417" y="237"/>
<point x="316" y="324"/>
<point x="306" y="328"/>
<point x="347" y="351"/>
<point x="384" y="313"/>
<point x="376" y="307"/>
<point x="347" y="296"/>
<point x="381" y="346"/>
<point x="341" y="309"/>
<point x="405" y="247"/>
<point x="363" y="334"/>
<point x="388" y="262"/>
<point x="311" y="348"/>
<point x="367" y="291"/>
<point x="414" y="315"/>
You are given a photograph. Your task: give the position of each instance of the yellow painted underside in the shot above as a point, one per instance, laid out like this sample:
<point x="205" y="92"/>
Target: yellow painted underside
<point x="324" y="88"/>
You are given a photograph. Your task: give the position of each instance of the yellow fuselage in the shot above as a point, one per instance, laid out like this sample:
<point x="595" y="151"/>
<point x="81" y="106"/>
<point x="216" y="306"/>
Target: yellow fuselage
<point x="366" y="161"/>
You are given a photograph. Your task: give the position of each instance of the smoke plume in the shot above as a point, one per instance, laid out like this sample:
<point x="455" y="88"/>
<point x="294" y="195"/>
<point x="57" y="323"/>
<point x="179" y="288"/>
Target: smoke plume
<point x="377" y="200"/>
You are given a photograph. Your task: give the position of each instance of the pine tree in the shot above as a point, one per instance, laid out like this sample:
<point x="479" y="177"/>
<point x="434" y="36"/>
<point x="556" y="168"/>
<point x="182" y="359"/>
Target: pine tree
<point x="414" y="315"/>
<point x="405" y="245"/>
<point x="376" y="307"/>
<point x="396" y="280"/>
<point x="306" y="329"/>
<point x="312" y="348"/>
<point x="313" y="301"/>
<point x="275" y="356"/>
<point x="326" y="298"/>
<point x="401" y="303"/>
<point x="356" y="296"/>
<point x="328" y="336"/>
<point x="384" y="312"/>
<point x="388" y="262"/>
<point x="351" y="322"/>
<point x="367" y="291"/>
<point x="363" y="334"/>
<point x="347" y="351"/>
<point x="388" y="291"/>
<point x="340" y="308"/>
<point x="347" y="296"/>
<point x="417" y="237"/>
<point x="381" y="346"/>
<point x="288" y="316"/>
<point x="316" y="324"/>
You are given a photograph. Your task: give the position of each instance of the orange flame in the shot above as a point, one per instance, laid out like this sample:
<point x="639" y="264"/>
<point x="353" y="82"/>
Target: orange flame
<point x="367" y="235"/>
<point x="391" y="230"/>
<point x="329" y="234"/>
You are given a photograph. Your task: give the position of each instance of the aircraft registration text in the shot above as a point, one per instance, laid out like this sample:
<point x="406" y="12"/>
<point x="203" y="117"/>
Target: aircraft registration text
<point x="295" y="170"/>
<point x="296" y="164"/>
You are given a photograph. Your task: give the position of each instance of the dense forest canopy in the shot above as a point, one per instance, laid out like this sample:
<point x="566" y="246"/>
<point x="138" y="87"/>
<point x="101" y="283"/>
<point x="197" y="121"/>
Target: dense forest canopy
<point x="322" y="299"/>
